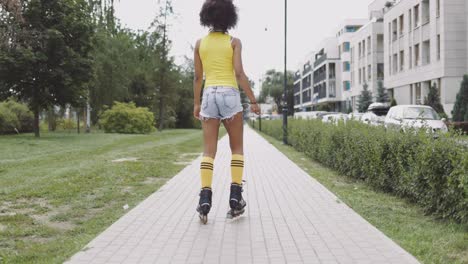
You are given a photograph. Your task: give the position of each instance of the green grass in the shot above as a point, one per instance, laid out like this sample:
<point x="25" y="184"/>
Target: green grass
<point x="58" y="192"/>
<point x="426" y="238"/>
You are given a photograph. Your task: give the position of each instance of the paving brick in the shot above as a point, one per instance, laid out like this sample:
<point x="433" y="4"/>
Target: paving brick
<point x="290" y="217"/>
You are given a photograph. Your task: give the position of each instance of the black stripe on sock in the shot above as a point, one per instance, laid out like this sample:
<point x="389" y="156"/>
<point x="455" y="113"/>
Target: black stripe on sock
<point x="207" y="163"/>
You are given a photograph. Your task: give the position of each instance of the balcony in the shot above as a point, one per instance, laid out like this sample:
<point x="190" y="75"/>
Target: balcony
<point x="320" y="60"/>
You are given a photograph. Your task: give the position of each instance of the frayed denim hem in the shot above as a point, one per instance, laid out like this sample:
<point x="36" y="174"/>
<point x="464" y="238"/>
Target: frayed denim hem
<point x="228" y="118"/>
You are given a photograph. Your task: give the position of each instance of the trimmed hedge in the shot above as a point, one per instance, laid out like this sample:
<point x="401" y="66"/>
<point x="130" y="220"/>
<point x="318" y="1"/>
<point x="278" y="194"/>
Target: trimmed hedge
<point x="430" y="172"/>
<point x="126" y="118"/>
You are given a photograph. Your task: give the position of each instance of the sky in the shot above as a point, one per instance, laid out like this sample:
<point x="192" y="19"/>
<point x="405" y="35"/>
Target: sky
<point x="260" y="27"/>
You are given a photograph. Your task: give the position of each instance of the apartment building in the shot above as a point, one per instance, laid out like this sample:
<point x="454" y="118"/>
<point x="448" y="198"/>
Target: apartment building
<point x="367" y="56"/>
<point x="303" y="84"/>
<point x="326" y="75"/>
<point x="345" y="34"/>
<point x="425" y="43"/>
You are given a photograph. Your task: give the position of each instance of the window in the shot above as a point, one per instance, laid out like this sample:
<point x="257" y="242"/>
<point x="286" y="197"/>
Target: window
<point x="360" y="50"/>
<point x="390" y="65"/>
<point x="438" y="47"/>
<point x="394" y="30"/>
<point x="425" y="14"/>
<point x="364" y="48"/>
<point x="416" y="16"/>
<point x="380" y="71"/>
<point x="438" y="8"/>
<point x="364" y="74"/>
<point x="389" y="30"/>
<point x="418" y="93"/>
<point x="410" y="19"/>
<point x="346" y="66"/>
<point x="332" y="89"/>
<point x="369" y="46"/>
<point x="360" y="76"/>
<point x="411" y="94"/>
<point x="402" y="60"/>
<point x="346" y="86"/>
<point x="402" y="25"/>
<point x="427" y="52"/>
<point x="346" y="47"/>
<point x="410" y="64"/>
<point x="380" y="43"/>
<point x="369" y="72"/>
<point x="416" y="55"/>
<point x="395" y="63"/>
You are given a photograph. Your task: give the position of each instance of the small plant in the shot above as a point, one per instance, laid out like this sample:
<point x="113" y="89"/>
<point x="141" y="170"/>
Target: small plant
<point x="126" y="118"/>
<point x="15" y="117"/>
<point x="460" y="110"/>
<point x="433" y="100"/>
<point x="365" y="99"/>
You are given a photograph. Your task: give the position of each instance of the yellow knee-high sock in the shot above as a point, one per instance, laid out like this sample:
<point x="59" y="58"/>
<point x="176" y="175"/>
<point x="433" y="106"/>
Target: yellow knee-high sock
<point x="237" y="168"/>
<point x="206" y="171"/>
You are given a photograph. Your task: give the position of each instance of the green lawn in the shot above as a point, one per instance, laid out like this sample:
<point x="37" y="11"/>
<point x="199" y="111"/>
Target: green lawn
<point x="428" y="239"/>
<point x="58" y="192"/>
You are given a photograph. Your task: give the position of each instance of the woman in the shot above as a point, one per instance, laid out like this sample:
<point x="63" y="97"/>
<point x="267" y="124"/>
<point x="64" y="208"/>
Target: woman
<point x="218" y="55"/>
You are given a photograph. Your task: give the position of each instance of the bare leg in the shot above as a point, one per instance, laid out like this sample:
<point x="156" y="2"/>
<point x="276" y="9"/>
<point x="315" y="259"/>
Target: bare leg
<point x="210" y="137"/>
<point x="235" y="129"/>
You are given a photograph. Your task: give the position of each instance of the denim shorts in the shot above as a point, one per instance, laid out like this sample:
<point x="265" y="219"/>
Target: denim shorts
<point x="220" y="102"/>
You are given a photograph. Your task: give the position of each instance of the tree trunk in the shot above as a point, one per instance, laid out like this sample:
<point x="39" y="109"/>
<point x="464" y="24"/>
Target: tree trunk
<point x="161" y="114"/>
<point x="36" y="122"/>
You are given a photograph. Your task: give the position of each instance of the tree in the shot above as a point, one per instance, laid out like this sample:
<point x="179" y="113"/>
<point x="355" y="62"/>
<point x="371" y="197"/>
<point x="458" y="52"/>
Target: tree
<point x="365" y="99"/>
<point x="273" y="86"/>
<point x="382" y="96"/>
<point x="460" y="109"/>
<point x="46" y="61"/>
<point x="433" y="100"/>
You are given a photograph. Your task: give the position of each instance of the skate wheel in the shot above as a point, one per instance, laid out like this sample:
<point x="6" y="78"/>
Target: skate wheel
<point x="204" y="219"/>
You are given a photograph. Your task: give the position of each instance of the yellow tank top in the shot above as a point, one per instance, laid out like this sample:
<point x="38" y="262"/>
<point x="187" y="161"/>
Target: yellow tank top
<point x="216" y="54"/>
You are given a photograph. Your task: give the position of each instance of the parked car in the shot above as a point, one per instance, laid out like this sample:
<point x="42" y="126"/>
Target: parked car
<point x="375" y="114"/>
<point x="334" y="118"/>
<point x="406" y="117"/>
<point x="308" y="115"/>
<point x="355" y="116"/>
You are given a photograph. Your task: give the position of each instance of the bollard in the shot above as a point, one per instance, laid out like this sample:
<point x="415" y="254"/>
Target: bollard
<point x="260" y="123"/>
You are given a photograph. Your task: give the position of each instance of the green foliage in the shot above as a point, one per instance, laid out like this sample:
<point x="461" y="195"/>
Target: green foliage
<point x="382" y="95"/>
<point x="433" y="100"/>
<point x="46" y="61"/>
<point x="430" y="172"/>
<point x="393" y="102"/>
<point x="365" y="99"/>
<point x="127" y="118"/>
<point x="460" y="109"/>
<point x="273" y="86"/>
<point x="15" y="117"/>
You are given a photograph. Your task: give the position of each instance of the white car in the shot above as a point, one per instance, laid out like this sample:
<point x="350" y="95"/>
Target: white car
<point x="375" y="114"/>
<point x="355" y="116"/>
<point x="416" y="117"/>
<point x="308" y="115"/>
<point x="334" y="118"/>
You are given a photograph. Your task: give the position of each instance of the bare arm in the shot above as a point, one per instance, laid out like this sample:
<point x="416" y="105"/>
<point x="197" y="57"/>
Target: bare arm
<point x="239" y="70"/>
<point x="197" y="80"/>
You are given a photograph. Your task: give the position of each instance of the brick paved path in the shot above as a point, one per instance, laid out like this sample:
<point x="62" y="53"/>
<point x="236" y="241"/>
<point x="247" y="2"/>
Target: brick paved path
<point x="290" y="218"/>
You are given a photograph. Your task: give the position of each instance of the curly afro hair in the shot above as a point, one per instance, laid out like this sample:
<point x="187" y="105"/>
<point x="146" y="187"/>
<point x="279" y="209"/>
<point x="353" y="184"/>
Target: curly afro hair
<point x="218" y="15"/>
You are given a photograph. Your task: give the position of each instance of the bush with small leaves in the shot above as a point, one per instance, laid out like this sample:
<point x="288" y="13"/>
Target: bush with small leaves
<point x="126" y="118"/>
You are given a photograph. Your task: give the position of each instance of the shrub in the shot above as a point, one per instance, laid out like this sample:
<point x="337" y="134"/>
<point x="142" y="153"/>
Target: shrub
<point x="430" y="172"/>
<point x="15" y="117"/>
<point x="127" y="118"/>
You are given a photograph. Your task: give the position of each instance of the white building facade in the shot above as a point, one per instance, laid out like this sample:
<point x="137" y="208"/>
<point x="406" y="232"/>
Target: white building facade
<point x="326" y="76"/>
<point x="426" y="43"/>
<point x="367" y="57"/>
